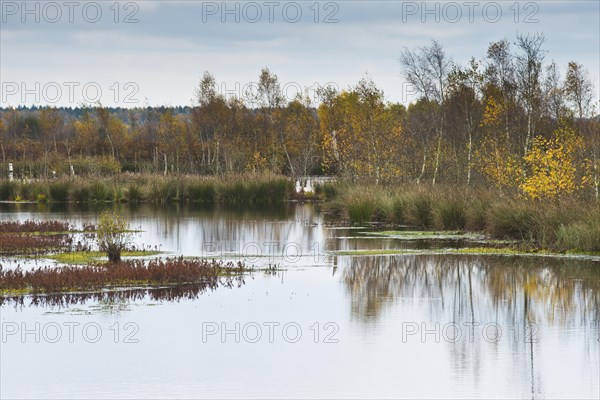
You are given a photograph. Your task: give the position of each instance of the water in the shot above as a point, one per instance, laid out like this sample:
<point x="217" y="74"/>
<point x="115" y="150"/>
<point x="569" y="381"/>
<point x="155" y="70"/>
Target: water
<point x="415" y="326"/>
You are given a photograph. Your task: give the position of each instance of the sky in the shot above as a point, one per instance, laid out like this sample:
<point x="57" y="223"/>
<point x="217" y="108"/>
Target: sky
<point x="152" y="53"/>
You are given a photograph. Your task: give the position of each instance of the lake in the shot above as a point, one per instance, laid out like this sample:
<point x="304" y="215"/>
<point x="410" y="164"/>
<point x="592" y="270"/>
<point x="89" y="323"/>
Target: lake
<point x="323" y="324"/>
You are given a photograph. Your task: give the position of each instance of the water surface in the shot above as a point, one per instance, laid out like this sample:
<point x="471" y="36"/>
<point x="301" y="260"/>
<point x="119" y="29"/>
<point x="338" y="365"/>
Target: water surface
<point x="324" y="325"/>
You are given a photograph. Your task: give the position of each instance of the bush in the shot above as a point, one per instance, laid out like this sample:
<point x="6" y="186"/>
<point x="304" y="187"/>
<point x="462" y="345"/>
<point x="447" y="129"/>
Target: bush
<point x="113" y="235"/>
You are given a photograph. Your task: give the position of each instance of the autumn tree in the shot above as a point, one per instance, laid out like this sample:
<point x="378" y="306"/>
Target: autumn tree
<point x="51" y="124"/>
<point x="529" y="74"/>
<point x="2" y="133"/>
<point x="210" y="122"/>
<point x="420" y="128"/>
<point x="362" y="135"/>
<point x="270" y="99"/>
<point x="578" y="88"/>
<point x="500" y="75"/>
<point x="552" y="165"/>
<point x="554" y="93"/>
<point x="427" y="69"/>
<point x="464" y="91"/>
<point x="86" y="134"/>
<point x="302" y="136"/>
<point x="171" y="133"/>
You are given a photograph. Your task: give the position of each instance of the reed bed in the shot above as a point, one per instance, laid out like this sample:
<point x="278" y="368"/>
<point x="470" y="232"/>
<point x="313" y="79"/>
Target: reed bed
<point x="171" y="271"/>
<point x="571" y="224"/>
<point x="32" y="245"/>
<point x="31" y="226"/>
<point x="34" y="238"/>
<point x="137" y="188"/>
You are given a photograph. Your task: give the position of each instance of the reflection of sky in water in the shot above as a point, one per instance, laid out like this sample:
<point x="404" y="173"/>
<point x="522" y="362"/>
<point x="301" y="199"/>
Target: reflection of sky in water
<point x="398" y="320"/>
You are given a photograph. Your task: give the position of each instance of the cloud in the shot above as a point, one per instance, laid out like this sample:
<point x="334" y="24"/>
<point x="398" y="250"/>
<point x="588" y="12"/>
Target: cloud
<point x="172" y="43"/>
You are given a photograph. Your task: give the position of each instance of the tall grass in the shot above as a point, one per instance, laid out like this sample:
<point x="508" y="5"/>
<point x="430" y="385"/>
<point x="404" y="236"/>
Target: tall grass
<point x="571" y="224"/>
<point x="137" y="188"/>
<point x="59" y="191"/>
<point x="8" y="190"/>
<point x="580" y="235"/>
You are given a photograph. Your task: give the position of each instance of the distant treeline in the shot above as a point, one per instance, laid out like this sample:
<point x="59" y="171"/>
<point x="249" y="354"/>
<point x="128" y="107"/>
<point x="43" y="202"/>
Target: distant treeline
<point x="508" y="119"/>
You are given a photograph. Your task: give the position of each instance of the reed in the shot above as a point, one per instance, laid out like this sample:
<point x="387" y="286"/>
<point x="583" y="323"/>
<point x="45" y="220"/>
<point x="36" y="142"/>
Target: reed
<point x="8" y="190"/>
<point x="59" y="191"/>
<point x="32" y="226"/>
<point x="137" y="188"/>
<point x="25" y="244"/>
<point x="580" y="236"/>
<point x="35" y="238"/>
<point x="570" y="224"/>
<point x="169" y="271"/>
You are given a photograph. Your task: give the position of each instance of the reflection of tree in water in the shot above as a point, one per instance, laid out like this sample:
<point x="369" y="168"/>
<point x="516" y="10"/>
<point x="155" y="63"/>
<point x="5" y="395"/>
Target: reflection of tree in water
<point x="471" y="288"/>
<point x="523" y="296"/>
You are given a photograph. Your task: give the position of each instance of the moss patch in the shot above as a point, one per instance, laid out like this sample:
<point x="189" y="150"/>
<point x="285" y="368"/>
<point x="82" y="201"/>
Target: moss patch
<point x="491" y="251"/>
<point x="417" y="235"/>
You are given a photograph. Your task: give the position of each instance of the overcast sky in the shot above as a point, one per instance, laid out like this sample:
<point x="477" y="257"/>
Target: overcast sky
<point x="154" y="52"/>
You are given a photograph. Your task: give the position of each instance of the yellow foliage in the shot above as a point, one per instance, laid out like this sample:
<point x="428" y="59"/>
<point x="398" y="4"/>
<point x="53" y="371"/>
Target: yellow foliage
<point x="86" y="134"/>
<point x="492" y="113"/>
<point x="257" y="163"/>
<point x="361" y="137"/>
<point x="499" y="165"/>
<point x="552" y="165"/>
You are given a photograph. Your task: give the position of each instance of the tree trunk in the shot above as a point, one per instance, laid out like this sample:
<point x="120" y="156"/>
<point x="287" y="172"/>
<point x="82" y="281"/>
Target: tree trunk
<point x="437" y="159"/>
<point x="469" y="158"/>
<point x="423" y="166"/>
<point x="528" y="137"/>
<point x="114" y="256"/>
<point x="596" y="179"/>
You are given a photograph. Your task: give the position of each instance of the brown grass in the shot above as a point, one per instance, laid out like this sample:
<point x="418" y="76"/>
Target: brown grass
<point x="31" y="226"/>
